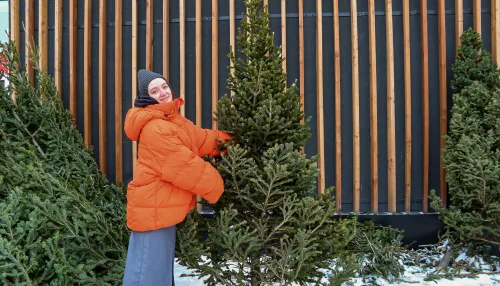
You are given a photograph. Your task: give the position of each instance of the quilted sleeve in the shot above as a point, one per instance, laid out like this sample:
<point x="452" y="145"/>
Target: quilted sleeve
<point x="207" y="143"/>
<point x="181" y="167"/>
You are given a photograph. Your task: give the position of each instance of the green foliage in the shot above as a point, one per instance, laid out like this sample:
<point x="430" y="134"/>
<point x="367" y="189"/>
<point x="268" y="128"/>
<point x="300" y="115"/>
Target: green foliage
<point x="268" y="227"/>
<point x="61" y="222"/>
<point x="374" y="252"/>
<point x="379" y="250"/>
<point x="472" y="155"/>
<point x="343" y="271"/>
<point x="261" y="114"/>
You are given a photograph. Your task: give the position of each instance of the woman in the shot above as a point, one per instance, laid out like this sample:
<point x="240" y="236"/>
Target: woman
<point x="168" y="175"/>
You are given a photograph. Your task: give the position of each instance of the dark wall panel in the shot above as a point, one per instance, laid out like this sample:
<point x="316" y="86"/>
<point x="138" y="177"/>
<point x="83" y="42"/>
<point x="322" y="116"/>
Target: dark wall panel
<point x="293" y="75"/>
<point x="382" y="105"/>
<point x="416" y="115"/>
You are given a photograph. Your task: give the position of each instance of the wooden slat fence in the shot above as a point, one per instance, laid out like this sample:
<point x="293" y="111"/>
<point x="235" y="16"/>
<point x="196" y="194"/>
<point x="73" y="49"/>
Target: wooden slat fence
<point x="376" y="86"/>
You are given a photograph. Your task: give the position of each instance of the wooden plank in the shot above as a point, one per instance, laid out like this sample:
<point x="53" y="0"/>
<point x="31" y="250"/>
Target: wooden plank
<point x="199" y="74"/>
<point x="425" y="104"/>
<point x="355" y="107"/>
<point x="15" y="31"/>
<point x="373" y="109"/>
<point x="301" y="54"/>
<point x="442" y="94"/>
<point x="199" y="93"/>
<point x="495" y="30"/>
<point x="283" y="34"/>
<point x="102" y="86"/>
<point x="149" y="34"/>
<point x="391" y="123"/>
<point x="58" y="46"/>
<point x="182" y="52"/>
<point x="459" y="20"/>
<point x="215" y="59"/>
<point x="134" y="71"/>
<point x="87" y="72"/>
<point x="43" y="33"/>
<point x="29" y="6"/>
<point x="118" y="91"/>
<point x="232" y="34"/>
<point x="73" y="58"/>
<point x="166" y="36"/>
<point x="338" y="125"/>
<point x="476" y="14"/>
<point x="319" y="96"/>
<point x="266" y="9"/>
<point x="407" y="76"/>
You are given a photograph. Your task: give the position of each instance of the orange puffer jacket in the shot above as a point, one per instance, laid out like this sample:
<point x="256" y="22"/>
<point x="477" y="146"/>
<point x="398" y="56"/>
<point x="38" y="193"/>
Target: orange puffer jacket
<point x="169" y="172"/>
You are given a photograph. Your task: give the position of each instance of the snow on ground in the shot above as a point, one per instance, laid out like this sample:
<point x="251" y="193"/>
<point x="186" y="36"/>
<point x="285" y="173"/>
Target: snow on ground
<point x="185" y="281"/>
<point x="413" y="276"/>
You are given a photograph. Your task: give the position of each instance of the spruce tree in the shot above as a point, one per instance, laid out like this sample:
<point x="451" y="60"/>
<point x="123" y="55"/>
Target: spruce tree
<point x="269" y="226"/>
<point x="61" y="221"/>
<point x="472" y="152"/>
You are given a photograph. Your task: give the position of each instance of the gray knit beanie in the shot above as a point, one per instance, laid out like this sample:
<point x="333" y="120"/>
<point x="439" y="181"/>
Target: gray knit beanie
<point x="144" y="77"/>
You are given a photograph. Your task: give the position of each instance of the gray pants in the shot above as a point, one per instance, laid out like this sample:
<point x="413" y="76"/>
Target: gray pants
<point x="150" y="258"/>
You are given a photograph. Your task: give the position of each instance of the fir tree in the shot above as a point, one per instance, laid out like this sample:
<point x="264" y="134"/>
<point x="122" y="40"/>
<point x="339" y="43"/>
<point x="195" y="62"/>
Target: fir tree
<point x="472" y="154"/>
<point x="61" y="221"/>
<point x="268" y="227"/>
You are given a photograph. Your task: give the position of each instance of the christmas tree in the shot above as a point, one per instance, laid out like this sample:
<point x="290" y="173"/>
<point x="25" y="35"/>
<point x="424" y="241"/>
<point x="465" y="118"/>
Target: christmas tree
<point x="269" y="226"/>
<point x="61" y="221"/>
<point x="472" y="152"/>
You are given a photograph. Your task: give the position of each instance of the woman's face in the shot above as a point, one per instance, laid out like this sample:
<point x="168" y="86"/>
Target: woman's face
<point x="159" y="90"/>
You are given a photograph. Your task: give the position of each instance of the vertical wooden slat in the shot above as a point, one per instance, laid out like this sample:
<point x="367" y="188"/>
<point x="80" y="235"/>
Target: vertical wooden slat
<point x="338" y="125"/>
<point x="266" y="9"/>
<point x="215" y="59"/>
<point x="459" y="20"/>
<point x="87" y="71"/>
<point x="15" y="23"/>
<point x="73" y="57"/>
<point x="118" y="91"/>
<point x="407" y="76"/>
<point x="495" y="30"/>
<point x="199" y="62"/>
<point x="283" y="34"/>
<point x="319" y="95"/>
<point x="58" y="46"/>
<point x="134" y="71"/>
<point x="232" y="33"/>
<point x="102" y="86"/>
<point x="477" y="15"/>
<point x="355" y="107"/>
<point x="425" y="104"/>
<point x="442" y="93"/>
<point x="15" y="31"/>
<point x="182" y="52"/>
<point x="166" y="36"/>
<point x="391" y="129"/>
<point x="30" y="37"/>
<point x="199" y="75"/>
<point x="301" y="53"/>
<point x="373" y="109"/>
<point x="149" y="35"/>
<point x="43" y="33"/>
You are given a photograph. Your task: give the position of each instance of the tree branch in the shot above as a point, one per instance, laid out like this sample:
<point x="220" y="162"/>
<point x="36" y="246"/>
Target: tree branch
<point x="32" y="138"/>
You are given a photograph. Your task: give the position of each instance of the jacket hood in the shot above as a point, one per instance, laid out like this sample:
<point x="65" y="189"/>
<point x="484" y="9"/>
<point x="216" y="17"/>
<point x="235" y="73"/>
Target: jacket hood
<point x="138" y="117"/>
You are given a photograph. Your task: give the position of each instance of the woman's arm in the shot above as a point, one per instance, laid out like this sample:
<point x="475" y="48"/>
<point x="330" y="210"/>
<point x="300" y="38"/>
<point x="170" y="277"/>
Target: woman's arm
<point x="181" y="167"/>
<point x="207" y="143"/>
